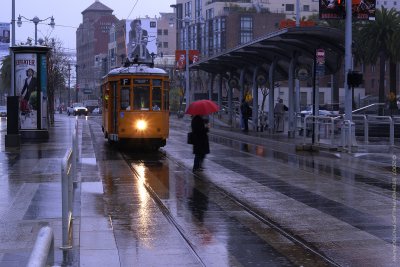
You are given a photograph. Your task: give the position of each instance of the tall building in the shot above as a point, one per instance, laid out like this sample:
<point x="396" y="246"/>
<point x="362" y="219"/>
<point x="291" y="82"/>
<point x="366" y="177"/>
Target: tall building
<point x="92" y="38"/>
<point x="166" y="34"/>
<point x="209" y="23"/>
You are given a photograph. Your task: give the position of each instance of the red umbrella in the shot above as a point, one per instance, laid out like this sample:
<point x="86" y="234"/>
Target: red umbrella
<point x="202" y="107"/>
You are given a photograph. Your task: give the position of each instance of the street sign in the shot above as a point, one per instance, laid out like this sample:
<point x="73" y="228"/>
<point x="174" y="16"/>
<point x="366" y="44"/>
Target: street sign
<point x="320" y="61"/>
<point x="303" y="73"/>
<point x="87" y="91"/>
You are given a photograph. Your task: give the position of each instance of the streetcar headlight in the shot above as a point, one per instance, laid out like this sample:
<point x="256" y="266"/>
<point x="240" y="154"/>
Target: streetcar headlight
<point x="141" y="125"/>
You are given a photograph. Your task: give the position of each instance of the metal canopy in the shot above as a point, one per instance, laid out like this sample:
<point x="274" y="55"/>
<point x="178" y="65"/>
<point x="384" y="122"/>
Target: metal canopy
<point x="281" y="46"/>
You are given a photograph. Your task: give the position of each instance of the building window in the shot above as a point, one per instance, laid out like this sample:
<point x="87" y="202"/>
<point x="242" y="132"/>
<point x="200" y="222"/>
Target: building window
<point x="198" y="8"/>
<point x="372" y="68"/>
<point x="372" y="83"/>
<point x="306" y="8"/>
<point x="209" y="13"/>
<point x="165" y="44"/>
<point x="188" y="9"/>
<point x="289" y="7"/>
<point x="321" y="98"/>
<point x="246" y="29"/>
<point x="159" y="32"/>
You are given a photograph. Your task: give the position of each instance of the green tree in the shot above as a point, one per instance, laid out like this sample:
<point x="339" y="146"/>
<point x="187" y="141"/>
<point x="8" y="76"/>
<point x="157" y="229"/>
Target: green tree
<point x="57" y="63"/>
<point x="376" y="41"/>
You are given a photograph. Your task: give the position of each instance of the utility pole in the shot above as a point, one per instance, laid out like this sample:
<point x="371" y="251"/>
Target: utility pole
<point x="69" y="84"/>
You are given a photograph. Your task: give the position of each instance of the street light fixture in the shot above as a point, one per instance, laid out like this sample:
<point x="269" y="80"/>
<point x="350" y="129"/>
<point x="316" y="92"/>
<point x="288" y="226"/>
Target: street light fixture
<point x="36" y="20"/>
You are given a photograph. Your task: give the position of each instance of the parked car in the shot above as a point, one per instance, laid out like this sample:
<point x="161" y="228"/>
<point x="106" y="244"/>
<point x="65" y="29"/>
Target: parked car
<point x="322" y="112"/>
<point x="77" y="109"/>
<point x="96" y="111"/>
<point x="3" y="111"/>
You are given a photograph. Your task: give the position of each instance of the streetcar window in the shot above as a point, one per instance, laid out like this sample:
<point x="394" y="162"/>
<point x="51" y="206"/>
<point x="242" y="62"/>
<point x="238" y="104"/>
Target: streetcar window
<point x="157" y="82"/>
<point x="166" y="95"/>
<point x="125" y="98"/>
<point x="141" y="98"/>
<point x="156" y="98"/>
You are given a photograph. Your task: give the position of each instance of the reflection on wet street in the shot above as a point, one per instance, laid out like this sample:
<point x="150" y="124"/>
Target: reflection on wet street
<point x="252" y="206"/>
<point x="198" y="223"/>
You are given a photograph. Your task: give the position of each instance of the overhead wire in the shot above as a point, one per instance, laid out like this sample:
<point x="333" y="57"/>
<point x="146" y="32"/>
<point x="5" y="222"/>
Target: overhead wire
<point x="134" y="5"/>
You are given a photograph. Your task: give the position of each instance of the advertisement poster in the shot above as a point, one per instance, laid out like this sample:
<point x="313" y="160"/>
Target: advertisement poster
<point x="141" y="38"/>
<point x="43" y="90"/>
<point x="332" y="9"/>
<point x="194" y="56"/>
<point x="336" y="9"/>
<point x="363" y="9"/>
<point x="180" y="58"/>
<point x="4" y="39"/>
<point x="26" y="87"/>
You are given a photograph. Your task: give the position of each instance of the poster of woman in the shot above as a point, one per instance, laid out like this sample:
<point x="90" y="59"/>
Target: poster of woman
<point x="26" y="87"/>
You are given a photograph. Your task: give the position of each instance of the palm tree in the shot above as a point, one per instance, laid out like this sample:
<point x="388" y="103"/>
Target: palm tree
<point x="376" y="40"/>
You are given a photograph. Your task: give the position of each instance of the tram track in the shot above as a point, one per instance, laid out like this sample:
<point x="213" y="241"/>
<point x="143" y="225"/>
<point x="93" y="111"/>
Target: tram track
<point x="310" y="251"/>
<point x="166" y="213"/>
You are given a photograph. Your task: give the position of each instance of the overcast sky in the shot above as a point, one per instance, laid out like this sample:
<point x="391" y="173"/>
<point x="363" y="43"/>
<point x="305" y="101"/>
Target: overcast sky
<point x="67" y="15"/>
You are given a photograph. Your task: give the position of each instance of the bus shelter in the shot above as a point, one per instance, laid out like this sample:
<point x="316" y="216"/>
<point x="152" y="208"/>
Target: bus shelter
<point x="284" y="55"/>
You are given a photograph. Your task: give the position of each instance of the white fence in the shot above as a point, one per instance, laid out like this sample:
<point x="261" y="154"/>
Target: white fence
<point x="68" y="175"/>
<point x="43" y="250"/>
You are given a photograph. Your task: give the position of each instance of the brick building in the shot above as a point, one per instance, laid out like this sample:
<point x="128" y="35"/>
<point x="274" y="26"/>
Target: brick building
<point x="92" y="38"/>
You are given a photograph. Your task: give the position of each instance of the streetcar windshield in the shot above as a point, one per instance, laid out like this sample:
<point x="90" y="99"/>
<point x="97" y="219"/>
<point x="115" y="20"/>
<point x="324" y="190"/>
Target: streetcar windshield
<point x="141" y="98"/>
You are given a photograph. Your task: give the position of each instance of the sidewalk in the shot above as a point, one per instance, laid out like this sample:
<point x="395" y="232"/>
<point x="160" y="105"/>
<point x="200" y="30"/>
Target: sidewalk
<point x="30" y="198"/>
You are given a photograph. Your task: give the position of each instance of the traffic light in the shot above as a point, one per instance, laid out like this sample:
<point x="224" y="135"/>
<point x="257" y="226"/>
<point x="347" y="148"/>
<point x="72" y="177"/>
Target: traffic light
<point x="354" y="78"/>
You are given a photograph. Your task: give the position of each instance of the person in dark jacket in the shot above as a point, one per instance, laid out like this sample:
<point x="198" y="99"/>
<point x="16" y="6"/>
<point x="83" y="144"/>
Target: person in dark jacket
<point x="201" y="146"/>
<point x="245" y="111"/>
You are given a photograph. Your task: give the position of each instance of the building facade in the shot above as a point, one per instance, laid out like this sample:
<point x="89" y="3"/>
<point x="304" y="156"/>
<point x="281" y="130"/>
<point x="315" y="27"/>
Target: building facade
<point x="92" y="38"/>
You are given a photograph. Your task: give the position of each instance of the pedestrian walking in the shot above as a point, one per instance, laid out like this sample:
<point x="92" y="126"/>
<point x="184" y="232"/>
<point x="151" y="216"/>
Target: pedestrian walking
<point x="245" y="110"/>
<point x="201" y="146"/>
<point x="279" y="111"/>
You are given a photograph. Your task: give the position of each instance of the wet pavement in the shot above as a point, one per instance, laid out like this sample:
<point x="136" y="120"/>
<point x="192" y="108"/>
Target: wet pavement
<point x="255" y="203"/>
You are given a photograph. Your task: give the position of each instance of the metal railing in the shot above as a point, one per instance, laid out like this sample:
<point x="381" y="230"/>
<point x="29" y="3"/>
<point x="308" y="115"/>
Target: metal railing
<point x="328" y="127"/>
<point x="372" y="119"/>
<point x="332" y="125"/>
<point x="43" y="250"/>
<point x="68" y="175"/>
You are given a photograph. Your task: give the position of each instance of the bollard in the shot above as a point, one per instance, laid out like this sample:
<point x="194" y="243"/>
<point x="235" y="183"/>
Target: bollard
<point x="43" y="250"/>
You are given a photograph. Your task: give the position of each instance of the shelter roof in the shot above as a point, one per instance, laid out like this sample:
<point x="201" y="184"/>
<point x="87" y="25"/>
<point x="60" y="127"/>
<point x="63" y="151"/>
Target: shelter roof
<point x="281" y="46"/>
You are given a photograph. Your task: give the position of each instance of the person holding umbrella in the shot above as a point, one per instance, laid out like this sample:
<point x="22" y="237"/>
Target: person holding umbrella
<point x="200" y="128"/>
<point x="201" y="145"/>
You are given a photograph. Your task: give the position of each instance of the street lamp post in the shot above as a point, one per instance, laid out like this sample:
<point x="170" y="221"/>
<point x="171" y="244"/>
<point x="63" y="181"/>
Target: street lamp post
<point x="36" y="21"/>
<point x="187" y="77"/>
<point x="76" y="83"/>
<point x="69" y="84"/>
